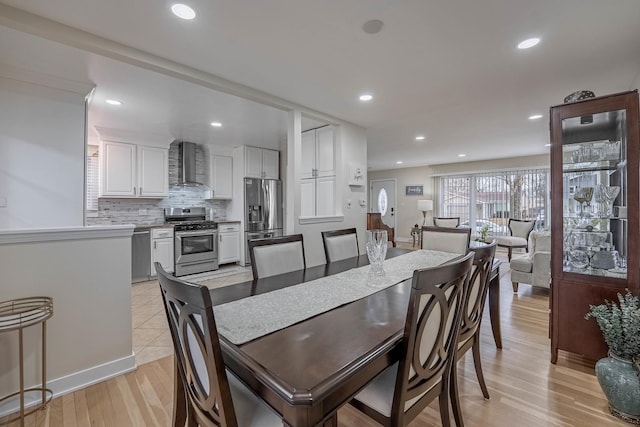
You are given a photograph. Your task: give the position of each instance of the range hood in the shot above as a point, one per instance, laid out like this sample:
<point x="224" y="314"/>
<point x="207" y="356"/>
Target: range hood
<point x="187" y="164"/>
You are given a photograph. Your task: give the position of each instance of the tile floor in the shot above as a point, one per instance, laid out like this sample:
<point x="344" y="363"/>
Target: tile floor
<point x="151" y="337"/>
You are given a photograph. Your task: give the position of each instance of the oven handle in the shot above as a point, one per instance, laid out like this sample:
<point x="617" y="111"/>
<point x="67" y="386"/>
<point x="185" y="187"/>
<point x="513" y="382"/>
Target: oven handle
<point x="196" y="233"/>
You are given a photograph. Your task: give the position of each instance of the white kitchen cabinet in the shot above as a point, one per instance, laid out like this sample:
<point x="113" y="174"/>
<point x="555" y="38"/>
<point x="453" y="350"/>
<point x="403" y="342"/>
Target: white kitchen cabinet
<point x="318" y="177"/>
<point x="222" y="177"/>
<point x="228" y="243"/>
<point x="130" y="170"/>
<point x="162" y="249"/>
<point x="261" y="163"/>
<point x="318" y="153"/>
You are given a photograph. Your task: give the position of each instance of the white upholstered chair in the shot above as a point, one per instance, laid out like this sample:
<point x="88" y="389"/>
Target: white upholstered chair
<point x="340" y="244"/>
<point x="428" y="347"/>
<point x="534" y="267"/>
<point x="520" y="230"/>
<point x="276" y="255"/>
<point x="445" y="239"/>
<point x="205" y="394"/>
<point x="451" y="222"/>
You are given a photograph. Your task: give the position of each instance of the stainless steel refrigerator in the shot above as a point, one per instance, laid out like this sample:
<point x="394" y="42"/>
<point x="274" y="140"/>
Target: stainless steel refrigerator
<point x="262" y="210"/>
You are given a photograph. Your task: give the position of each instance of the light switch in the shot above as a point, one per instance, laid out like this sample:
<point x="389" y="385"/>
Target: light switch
<point x="3" y="202"/>
<point x="349" y="204"/>
<point x="363" y="202"/>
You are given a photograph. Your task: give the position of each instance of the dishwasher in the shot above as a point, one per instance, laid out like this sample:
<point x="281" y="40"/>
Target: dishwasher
<point x="141" y="255"/>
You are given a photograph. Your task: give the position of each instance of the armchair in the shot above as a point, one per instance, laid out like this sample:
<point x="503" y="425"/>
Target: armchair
<point x="534" y="267"/>
<point x="520" y="230"/>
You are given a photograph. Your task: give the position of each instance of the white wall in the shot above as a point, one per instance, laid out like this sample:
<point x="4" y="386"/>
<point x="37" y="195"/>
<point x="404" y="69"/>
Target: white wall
<point x="351" y="146"/>
<point x="87" y="271"/>
<point x="407" y="206"/>
<point x="41" y="156"/>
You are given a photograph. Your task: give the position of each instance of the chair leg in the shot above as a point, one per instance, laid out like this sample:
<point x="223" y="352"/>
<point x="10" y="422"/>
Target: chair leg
<point x="444" y="403"/>
<point x="455" y="396"/>
<point x="478" y="365"/>
<point x="180" y="413"/>
<point x="509" y="255"/>
<point x="515" y="287"/>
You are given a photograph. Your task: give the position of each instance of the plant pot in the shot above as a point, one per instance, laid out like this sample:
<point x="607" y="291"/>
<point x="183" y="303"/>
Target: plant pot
<point x="620" y="382"/>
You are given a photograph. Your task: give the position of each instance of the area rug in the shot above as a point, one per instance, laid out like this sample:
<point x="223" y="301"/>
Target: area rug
<point x="222" y="272"/>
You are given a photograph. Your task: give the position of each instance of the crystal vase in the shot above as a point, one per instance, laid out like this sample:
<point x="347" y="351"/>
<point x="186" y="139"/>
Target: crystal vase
<point x="376" y="251"/>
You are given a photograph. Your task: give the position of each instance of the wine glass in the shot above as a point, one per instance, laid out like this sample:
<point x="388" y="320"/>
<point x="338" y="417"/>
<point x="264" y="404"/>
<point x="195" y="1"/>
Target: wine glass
<point x="610" y="193"/>
<point x="583" y="195"/>
<point x="601" y="201"/>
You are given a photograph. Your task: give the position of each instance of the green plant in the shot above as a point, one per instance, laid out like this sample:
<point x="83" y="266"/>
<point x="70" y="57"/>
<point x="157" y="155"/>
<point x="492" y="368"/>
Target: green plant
<point x="483" y="232"/>
<point x="620" y="325"/>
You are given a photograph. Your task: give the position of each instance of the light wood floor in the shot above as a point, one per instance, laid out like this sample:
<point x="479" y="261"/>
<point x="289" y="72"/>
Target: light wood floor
<point x="526" y="389"/>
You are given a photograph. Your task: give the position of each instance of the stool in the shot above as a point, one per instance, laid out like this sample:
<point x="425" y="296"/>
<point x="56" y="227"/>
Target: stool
<point x="18" y="314"/>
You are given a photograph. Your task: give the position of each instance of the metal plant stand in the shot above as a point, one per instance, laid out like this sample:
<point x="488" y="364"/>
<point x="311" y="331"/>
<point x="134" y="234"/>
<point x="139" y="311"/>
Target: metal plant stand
<point x="15" y="315"/>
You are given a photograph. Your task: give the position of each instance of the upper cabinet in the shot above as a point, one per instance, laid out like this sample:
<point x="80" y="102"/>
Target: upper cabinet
<point x="222" y="177"/>
<point x="594" y="210"/>
<point x="318" y="173"/>
<point x="261" y="163"/>
<point x="130" y="170"/>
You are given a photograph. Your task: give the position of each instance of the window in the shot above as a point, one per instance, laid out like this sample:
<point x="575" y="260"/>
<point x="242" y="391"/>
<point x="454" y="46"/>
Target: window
<point x="490" y="199"/>
<point x="92" y="178"/>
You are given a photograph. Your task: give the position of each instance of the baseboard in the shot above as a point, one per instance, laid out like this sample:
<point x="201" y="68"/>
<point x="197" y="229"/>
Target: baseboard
<point x="404" y="239"/>
<point x="78" y="380"/>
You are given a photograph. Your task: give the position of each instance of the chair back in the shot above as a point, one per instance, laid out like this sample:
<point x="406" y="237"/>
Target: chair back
<point x="477" y="290"/>
<point x="340" y="244"/>
<point x="197" y="351"/>
<point x="430" y="336"/>
<point x="521" y="228"/>
<point x="276" y="255"/>
<point x="449" y="222"/>
<point x="454" y="240"/>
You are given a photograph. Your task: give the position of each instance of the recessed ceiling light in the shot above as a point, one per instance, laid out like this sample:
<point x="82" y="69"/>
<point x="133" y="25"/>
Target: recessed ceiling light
<point x="373" y="26"/>
<point x="462" y="155"/>
<point x="113" y="102"/>
<point x="547" y="145"/>
<point x="535" y="117"/>
<point x="526" y="44"/>
<point x="399" y="162"/>
<point x="183" y="11"/>
<point x="419" y="137"/>
<point x="216" y="124"/>
<point x="366" y="97"/>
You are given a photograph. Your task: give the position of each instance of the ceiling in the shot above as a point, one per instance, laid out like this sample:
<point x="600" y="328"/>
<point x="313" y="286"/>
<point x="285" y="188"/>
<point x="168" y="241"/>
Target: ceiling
<point x="447" y="70"/>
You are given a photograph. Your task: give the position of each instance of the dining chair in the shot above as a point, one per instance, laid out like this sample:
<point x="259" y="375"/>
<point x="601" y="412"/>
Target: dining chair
<point x="519" y="238"/>
<point x="340" y="244"/>
<point x="204" y="394"/>
<point x="276" y="255"/>
<point x="427" y="352"/>
<point x="446" y="239"/>
<point x="450" y="222"/>
<point x="471" y="318"/>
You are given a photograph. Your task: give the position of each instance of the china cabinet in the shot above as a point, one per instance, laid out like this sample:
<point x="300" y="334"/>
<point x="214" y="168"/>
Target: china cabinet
<point x="594" y="209"/>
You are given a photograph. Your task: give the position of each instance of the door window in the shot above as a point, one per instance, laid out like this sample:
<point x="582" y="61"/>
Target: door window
<point x="382" y="202"/>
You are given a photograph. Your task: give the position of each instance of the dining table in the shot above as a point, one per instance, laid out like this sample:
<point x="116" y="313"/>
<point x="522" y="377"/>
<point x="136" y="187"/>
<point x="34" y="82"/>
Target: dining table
<point x="307" y="370"/>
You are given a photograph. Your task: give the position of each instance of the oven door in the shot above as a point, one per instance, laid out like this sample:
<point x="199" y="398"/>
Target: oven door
<point x="194" y="246"/>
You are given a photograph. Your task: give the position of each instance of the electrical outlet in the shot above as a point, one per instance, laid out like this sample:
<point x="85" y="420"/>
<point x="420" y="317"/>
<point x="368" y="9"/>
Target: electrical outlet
<point x="349" y="204"/>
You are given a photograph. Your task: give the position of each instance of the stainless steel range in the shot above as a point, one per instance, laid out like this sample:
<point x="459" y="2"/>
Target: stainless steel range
<point x="196" y="240"/>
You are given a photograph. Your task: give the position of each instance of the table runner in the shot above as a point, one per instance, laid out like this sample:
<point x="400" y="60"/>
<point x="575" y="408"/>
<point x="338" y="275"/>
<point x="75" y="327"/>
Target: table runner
<point x="249" y="318"/>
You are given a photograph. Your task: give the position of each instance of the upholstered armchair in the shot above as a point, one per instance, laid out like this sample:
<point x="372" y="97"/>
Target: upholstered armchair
<point x="533" y="268"/>
<point x="520" y="230"/>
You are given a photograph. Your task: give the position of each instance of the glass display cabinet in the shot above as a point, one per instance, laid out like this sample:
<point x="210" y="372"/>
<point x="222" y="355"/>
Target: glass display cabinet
<point x="594" y="210"/>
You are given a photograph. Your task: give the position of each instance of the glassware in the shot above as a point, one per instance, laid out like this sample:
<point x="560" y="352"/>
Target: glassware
<point x="584" y="195"/>
<point x="376" y="251"/>
<point x="610" y="193"/>
<point x="611" y="150"/>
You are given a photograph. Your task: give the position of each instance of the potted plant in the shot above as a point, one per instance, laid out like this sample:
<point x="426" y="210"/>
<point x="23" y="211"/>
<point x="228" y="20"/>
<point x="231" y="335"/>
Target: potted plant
<point x="483" y="233"/>
<point x="620" y="382"/>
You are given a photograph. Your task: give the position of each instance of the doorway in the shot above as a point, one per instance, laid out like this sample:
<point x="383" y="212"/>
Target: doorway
<point x="382" y="199"/>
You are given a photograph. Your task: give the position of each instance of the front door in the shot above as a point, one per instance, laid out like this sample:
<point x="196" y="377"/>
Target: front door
<point x="383" y="199"/>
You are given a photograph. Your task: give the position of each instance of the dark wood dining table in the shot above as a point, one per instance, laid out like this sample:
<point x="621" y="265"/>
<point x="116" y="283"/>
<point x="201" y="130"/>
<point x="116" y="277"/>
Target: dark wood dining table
<point x="308" y="370"/>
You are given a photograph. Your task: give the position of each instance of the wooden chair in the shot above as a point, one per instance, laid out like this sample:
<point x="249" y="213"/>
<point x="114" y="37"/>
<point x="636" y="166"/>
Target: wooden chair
<point x="204" y="394"/>
<point x="454" y="240"/>
<point x="340" y="244"/>
<point x="449" y="222"/>
<point x="374" y="222"/>
<point x="519" y="238"/>
<point x="402" y="391"/>
<point x="469" y="338"/>
<point x="276" y="255"/>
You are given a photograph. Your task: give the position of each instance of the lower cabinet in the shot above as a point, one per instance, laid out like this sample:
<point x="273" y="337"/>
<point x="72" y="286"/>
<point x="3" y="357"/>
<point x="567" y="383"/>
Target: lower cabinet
<point x="228" y="243"/>
<point x="162" y="249"/>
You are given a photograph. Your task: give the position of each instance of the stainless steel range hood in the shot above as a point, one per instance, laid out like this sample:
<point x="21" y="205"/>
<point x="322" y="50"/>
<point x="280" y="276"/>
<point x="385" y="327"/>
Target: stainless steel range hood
<point x="187" y="164"/>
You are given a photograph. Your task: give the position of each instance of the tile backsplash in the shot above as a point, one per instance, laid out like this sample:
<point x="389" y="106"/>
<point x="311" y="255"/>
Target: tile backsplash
<point x="151" y="211"/>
